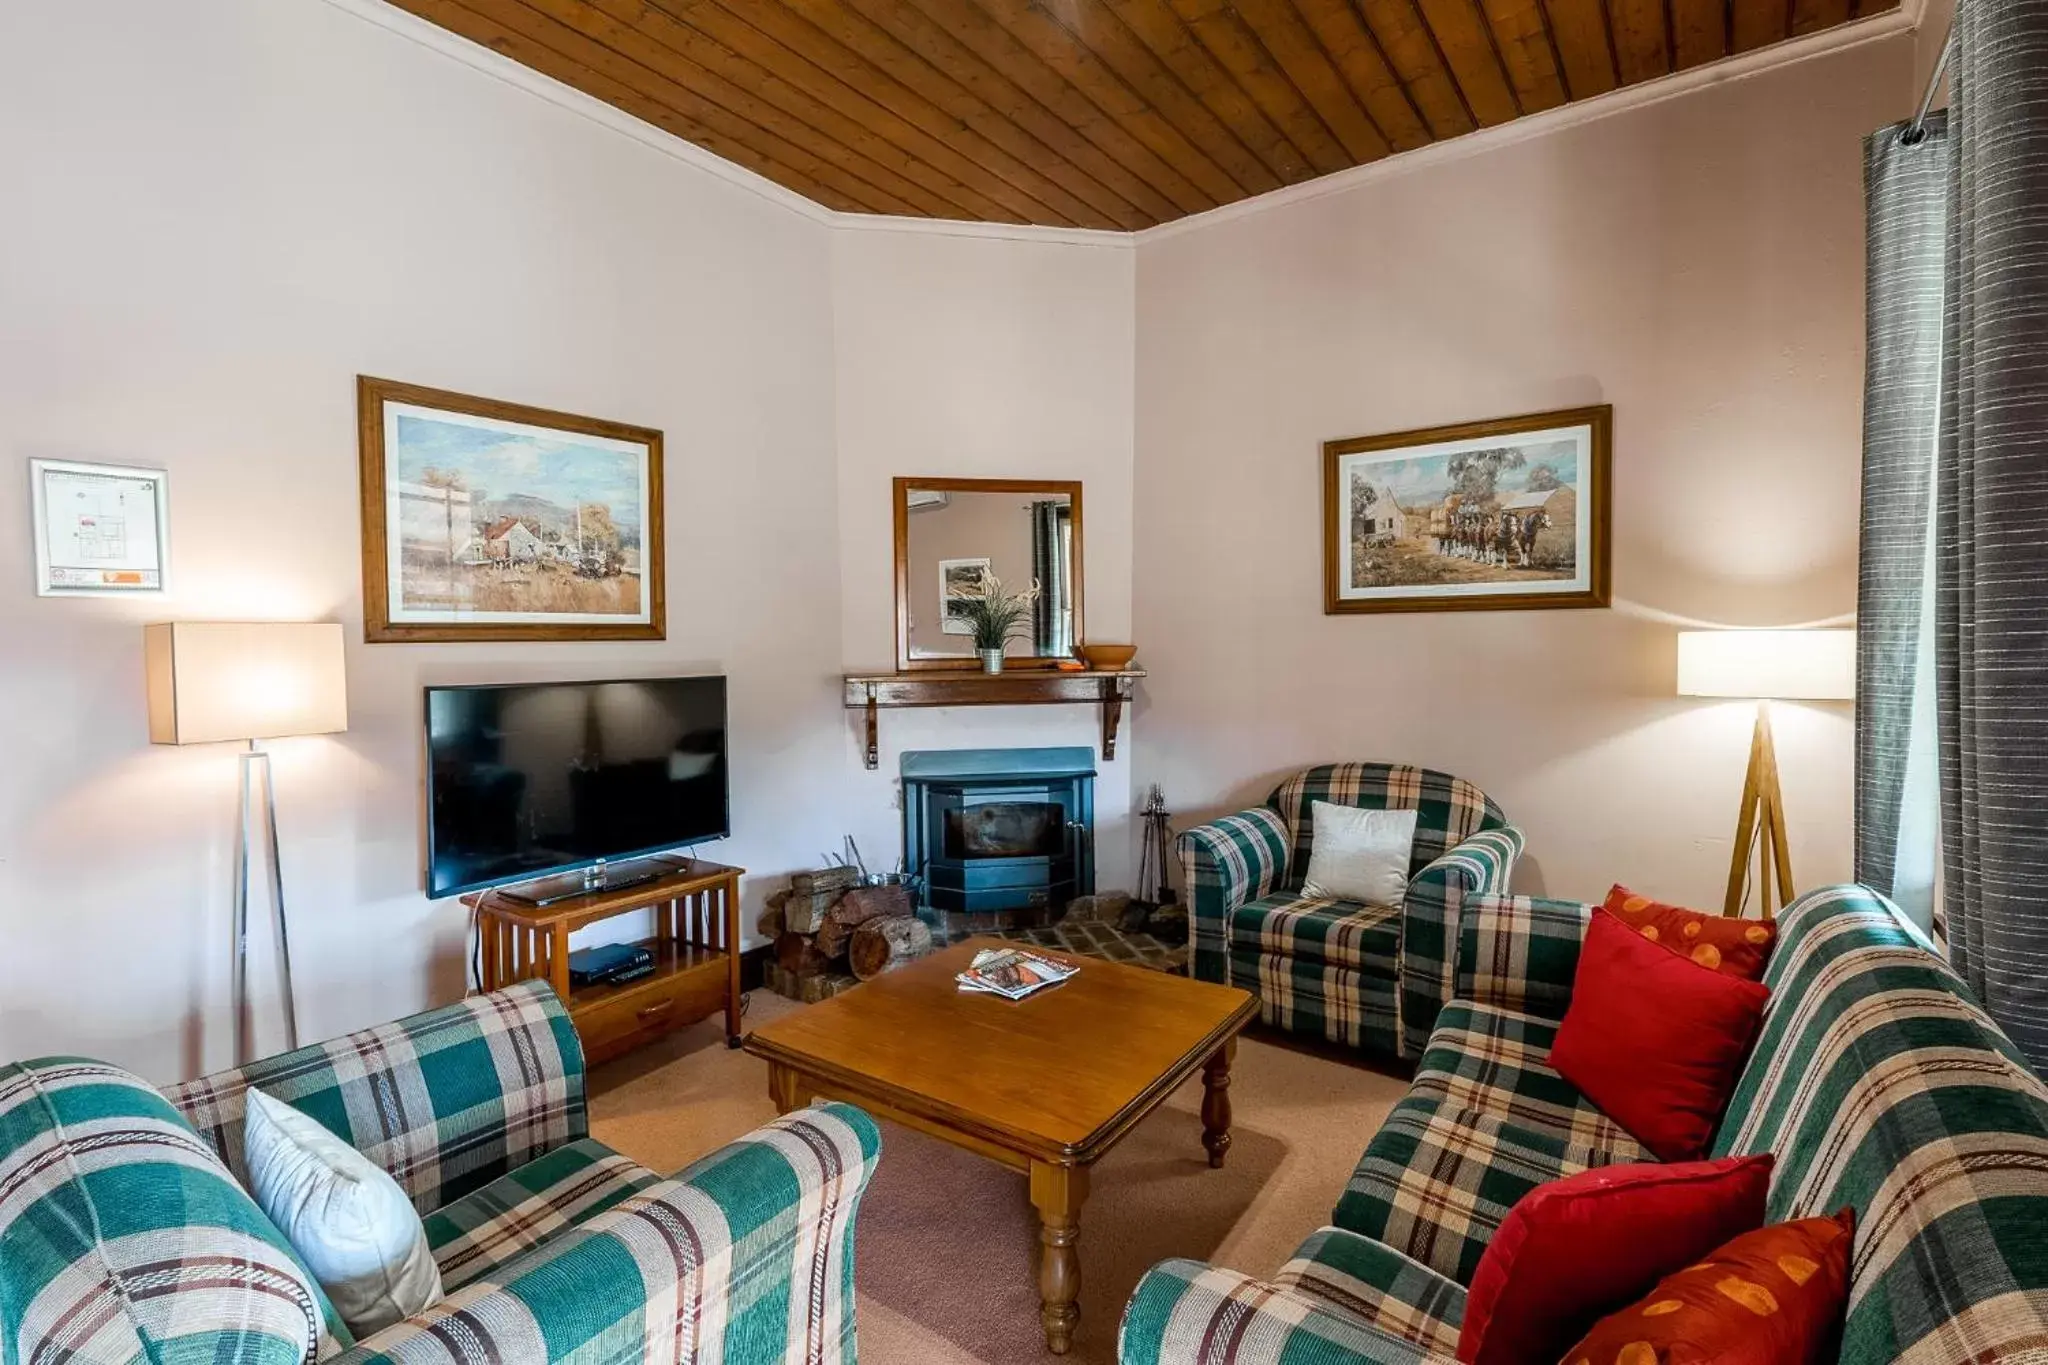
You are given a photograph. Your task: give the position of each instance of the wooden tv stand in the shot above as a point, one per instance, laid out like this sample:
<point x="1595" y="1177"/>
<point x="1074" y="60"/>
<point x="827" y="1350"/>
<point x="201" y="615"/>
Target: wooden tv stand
<point x="696" y="949"/>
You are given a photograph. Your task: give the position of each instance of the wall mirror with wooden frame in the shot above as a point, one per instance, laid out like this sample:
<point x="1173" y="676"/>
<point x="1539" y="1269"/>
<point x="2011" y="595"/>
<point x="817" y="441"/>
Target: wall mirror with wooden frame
<point x="949" y="532"/>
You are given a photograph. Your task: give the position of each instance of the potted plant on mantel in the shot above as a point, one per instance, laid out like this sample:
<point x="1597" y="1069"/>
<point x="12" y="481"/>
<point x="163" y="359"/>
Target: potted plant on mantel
<point x="997" y="615"/>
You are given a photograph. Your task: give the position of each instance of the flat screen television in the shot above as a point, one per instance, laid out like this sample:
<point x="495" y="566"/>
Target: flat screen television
<point x="533" y="779"/>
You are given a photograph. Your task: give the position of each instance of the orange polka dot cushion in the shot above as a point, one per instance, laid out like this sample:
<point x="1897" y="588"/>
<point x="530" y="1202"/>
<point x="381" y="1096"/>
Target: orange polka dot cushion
<point x="1734" y="947"/>
<point x="1770" y="1297"/>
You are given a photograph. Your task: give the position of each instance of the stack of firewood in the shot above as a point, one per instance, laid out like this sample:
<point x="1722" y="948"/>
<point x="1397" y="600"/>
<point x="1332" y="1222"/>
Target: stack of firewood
<point x="831" y="931"/>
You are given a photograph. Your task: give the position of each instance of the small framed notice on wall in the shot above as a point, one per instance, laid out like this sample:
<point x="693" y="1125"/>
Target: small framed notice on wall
<point x="102" y="530"/>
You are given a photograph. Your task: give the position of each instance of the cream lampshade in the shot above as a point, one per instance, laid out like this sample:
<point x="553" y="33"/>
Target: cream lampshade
<point x="222" y="680"/>
<point x="211" y="681"/>
<point x="1790" y="665"/>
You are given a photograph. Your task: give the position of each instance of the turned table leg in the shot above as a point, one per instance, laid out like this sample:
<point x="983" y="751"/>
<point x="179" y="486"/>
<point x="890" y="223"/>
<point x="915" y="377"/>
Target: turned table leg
<point x="784" y="1088"/>
<point x="1216" y="1102"/>
<point x="1057" y="1192"/>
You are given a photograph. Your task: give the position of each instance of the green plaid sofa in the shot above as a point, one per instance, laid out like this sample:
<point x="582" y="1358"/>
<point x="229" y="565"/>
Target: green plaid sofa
<point x="125" y="1234"/>
<point x="1371" y="976"/>
<point x="1877" y="1081"/>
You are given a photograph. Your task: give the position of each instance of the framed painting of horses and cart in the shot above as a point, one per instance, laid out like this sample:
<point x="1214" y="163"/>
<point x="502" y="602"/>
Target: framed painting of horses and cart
<point x="1486" y="516"/>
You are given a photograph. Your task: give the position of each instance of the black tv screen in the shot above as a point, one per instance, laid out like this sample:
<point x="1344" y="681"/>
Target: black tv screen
<point x="529" y="779"/>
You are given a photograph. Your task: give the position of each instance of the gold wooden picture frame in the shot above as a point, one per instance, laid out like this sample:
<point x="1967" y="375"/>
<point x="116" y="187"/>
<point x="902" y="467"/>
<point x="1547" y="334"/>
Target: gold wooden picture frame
<point x="909" y="659"/>
<point x="485" y="520"/>
<point x="1510" y="514"/>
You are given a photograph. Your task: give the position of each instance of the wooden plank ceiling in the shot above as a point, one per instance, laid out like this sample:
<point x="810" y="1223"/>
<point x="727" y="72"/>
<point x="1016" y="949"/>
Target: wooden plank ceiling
<point x="1099" y="113"/>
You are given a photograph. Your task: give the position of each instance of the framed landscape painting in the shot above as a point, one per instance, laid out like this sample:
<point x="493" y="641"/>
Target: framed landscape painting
<point x="1508" y="514"/>
<point x="485" y="520"/>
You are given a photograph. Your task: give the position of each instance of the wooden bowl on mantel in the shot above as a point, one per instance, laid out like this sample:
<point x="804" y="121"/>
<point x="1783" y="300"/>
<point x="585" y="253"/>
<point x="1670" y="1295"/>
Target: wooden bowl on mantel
<point x="1108" y="658"/>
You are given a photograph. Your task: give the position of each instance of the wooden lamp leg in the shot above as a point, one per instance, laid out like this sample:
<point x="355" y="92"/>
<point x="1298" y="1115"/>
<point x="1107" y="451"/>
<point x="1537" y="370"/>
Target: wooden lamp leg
<point x="1760" y="827"/>
<point x="1774" y="818"/>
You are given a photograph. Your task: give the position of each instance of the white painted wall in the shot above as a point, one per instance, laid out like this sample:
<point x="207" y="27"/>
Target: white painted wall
<point x="251" y="201"/>
<point x="217" y="214"/>
<point x="1698" y="264"/>
<point x="973" y="357"/>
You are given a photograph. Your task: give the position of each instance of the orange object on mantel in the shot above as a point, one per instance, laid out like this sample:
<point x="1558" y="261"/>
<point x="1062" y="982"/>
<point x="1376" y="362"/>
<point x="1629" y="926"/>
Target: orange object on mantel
<point x="1108" y="658"/>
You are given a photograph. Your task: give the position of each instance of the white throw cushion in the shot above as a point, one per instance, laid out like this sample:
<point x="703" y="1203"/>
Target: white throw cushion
<point x="345" y="1216"/>
<point x="1359" y="855"/>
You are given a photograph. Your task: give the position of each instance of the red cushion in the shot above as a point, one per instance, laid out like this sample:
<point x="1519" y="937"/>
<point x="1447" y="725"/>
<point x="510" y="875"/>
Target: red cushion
<point x="1733" y="947"/>
<point x="1579" y="1247"/>
<point x="1770" y="1297"/>
<point x="1653" y="1039"/>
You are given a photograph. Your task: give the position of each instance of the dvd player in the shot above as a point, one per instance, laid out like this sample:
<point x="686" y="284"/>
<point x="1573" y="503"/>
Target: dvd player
<point x="609" y="965"/>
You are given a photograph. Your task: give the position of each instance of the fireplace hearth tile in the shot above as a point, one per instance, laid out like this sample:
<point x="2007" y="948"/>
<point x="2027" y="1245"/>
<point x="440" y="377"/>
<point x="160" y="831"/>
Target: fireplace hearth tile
<point x="1085" y="938"/>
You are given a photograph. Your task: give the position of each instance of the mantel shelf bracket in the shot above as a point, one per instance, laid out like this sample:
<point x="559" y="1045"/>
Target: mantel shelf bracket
<point x="870" y="693"/>
<point x="874" y="757"/>
<point x="1115" y="692"/>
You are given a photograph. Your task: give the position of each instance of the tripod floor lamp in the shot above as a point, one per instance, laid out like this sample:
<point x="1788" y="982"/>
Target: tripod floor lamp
<point x="1789" y="665"/>
<point x="216" y="681"/>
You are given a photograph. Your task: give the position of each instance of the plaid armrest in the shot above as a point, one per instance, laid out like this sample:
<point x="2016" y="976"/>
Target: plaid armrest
<point x="1379" y="1286"/>
<point x="1188" y="1313"/>
<point x="1481" y="865"/>
<point x="446" y="1101"/>
<point x="123" y="1238"/>
<point x="1520" y="952"/>
<point x="1225" y="864"/>
<point x="745" y="1256"/>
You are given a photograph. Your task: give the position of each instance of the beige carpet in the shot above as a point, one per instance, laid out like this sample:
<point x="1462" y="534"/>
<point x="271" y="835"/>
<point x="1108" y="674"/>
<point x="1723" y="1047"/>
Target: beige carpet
<point x="947" y="1242"/>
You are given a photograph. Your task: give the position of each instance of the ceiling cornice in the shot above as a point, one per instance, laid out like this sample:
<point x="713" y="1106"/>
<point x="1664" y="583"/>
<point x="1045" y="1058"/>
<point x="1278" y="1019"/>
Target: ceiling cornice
<point x="1792" y="52"/>
<point x="1010" y="232"/>
<point x="503" y="68"/>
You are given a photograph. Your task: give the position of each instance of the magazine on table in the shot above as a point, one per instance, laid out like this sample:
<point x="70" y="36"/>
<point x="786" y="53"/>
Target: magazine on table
<point x="1012" y="973"/>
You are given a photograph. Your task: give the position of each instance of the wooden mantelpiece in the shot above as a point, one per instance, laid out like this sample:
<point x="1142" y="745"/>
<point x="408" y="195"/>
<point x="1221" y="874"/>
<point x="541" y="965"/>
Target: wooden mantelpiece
<point x="1110" y="690"/>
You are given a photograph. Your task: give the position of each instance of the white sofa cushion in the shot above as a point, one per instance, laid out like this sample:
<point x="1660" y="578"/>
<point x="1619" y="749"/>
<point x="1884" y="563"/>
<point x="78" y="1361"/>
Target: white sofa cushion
<point x="344" y="1215"/>
<point x="1360" y="855"/>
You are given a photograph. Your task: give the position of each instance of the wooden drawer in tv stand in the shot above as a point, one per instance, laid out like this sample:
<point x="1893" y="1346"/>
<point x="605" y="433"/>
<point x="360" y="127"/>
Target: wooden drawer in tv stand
<point x="696" y="946"/>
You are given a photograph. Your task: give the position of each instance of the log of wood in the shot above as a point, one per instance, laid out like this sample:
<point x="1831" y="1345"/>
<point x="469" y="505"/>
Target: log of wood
<point x="772" y="924"/>
<point x="882" y="944"/>
<point x="804" y="911"/>
<point x="871" y="902"/>
<point x="799" y="956"/>
<point x="825" y="879"/>
<point x="809" y="989"/>
<point x="832" y="937"/>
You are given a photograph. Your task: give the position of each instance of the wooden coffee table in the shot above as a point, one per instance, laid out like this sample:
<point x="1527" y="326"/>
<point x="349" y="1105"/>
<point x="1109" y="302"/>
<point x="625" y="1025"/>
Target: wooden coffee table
<point x="1044" y="1085"/>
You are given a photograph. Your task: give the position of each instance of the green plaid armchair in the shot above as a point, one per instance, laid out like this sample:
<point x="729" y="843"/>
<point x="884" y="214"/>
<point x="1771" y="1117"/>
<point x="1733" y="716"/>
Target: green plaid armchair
<point x="125" y="1234"/>
<point x="1371" y="976"/>
<point x="1877" y="1081"/>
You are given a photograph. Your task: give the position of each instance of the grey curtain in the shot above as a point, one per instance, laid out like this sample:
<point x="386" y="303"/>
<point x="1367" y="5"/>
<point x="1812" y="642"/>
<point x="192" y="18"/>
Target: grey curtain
<point x="1906" y="224"/>
<point x="1992" y="518"/>
<point x="1049" y="522"/>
